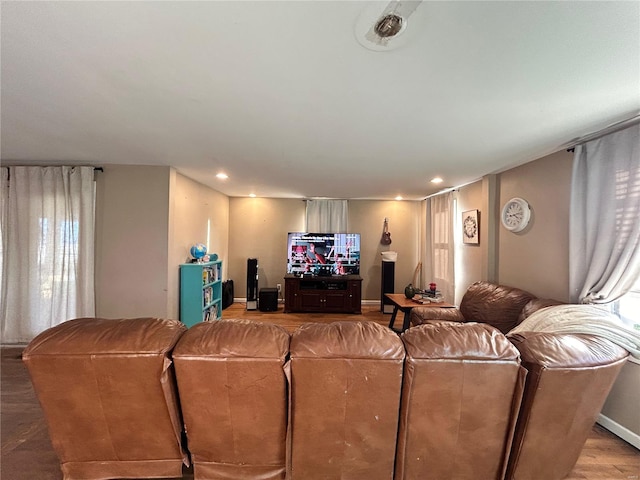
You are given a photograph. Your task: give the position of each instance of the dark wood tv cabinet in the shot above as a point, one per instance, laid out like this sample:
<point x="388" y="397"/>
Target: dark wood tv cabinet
<point x="336" y="293"/>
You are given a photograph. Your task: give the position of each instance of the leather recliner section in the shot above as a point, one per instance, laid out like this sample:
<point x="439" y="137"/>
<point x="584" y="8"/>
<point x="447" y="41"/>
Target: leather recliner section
<point x="568" y="382"/>
<point x="461" y="394"/>
<point x="346" y="379"/>
<point x="233" y="393"/>
<point x="108" y="393"/>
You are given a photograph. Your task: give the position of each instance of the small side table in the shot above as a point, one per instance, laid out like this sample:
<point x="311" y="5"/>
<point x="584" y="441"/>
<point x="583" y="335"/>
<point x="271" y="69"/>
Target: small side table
<point x="405" y="305"/>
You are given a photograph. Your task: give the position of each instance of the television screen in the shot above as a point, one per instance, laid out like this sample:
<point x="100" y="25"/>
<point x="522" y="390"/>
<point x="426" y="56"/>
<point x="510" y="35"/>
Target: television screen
<point x="323" y="253"/>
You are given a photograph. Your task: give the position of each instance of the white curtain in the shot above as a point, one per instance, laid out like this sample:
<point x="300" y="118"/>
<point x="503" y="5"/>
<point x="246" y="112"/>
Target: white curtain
<point x="439" y="260"/>
<point x="47" y="249"/>
<point x="604" y="250"/>
<point x="330" y="216"/>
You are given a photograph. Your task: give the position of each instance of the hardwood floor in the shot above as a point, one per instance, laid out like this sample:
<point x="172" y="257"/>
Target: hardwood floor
<point x="27" y="453"/>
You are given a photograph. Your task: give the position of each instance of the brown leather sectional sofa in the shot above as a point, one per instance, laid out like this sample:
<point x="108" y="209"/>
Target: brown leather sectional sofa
<point x="501" y="306"/>
<point x="346" y="400"/>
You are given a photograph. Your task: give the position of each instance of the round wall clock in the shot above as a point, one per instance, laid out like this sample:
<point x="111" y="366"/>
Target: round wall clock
<point x="516" y="215"/>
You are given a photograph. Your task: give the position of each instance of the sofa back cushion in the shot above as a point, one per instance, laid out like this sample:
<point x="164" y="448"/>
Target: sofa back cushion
<point x="461" y="390"/>
<point x="570" y="376"/>
<point x="497" y="305"/>
<point x="107" y="390"/>
<point x="534" y="305"/>
<point x="233" y="393"/>
<point x="345" y="397"/>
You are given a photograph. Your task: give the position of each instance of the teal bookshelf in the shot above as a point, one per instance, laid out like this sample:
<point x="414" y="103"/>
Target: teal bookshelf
<point x="200" y="292"/>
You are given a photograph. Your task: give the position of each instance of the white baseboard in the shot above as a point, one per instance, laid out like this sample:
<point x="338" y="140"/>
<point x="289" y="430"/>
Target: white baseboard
<point x="617" y="429"/>
<point x="370" y="302"/>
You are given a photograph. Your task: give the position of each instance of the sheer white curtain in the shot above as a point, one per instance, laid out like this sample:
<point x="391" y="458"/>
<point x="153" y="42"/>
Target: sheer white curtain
<point x="604" y="250"/>
<point x="331" y="216"/>
<point x="47" y="249"/>
<point x="439" y="260"/>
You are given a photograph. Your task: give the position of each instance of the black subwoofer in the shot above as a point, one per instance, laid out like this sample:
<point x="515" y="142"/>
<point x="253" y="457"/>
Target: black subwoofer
<point x="268" y="301"/>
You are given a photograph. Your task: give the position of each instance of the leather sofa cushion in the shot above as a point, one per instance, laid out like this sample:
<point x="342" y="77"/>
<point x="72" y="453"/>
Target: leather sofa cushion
<point x="233" y="393"/>
<point x="99" y="336"/>
<point x="346" y="382"/>
<point x="569" y="377"/>
<point x="534" y="305"/>
<point x="420" y="315"/>
<point x="458" y="341"/>
<point x="108" y="393"/>
<point x="233" y="338"/>
<point x="549" y="350"/>
<point x="346" y="340"/>
<point x="461" y="391"/>
<point x="497" y="305"/>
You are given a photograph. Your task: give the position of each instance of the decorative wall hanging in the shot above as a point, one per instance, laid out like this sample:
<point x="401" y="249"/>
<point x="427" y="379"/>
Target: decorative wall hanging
<point x="386" y="236"/>
<point x="471" y="227"/>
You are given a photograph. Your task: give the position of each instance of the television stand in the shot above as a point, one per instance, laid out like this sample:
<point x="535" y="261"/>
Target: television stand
<point x="335" y="293"/>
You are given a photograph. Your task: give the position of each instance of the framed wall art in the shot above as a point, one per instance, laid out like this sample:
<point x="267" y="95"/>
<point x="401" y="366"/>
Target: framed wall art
<point x="471" y="227"/>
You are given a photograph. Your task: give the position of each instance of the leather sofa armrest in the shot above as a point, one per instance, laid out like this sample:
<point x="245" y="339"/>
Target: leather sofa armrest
<point x="534" y="305"/>
<point x="420" y="315"/>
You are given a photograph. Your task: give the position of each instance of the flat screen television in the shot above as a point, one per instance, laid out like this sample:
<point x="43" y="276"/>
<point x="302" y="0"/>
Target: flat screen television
<point x="323" y="254"/>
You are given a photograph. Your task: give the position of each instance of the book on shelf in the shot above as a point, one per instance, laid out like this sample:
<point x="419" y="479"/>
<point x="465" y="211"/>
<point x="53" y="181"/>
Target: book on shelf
<point x="210" y="313"/>
<point x="207" y="296"/>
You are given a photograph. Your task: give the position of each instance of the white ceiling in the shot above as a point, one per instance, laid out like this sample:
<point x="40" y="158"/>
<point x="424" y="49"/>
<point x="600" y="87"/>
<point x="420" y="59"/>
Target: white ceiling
<point x="284" y="98"/>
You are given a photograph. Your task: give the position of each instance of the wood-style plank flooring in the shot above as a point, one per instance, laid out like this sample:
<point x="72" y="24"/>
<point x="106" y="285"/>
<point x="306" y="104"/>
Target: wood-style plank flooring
<point x="27" y="453"/>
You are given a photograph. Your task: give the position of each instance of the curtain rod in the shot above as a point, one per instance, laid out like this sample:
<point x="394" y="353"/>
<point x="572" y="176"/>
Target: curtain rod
<point x="614" y="127"/>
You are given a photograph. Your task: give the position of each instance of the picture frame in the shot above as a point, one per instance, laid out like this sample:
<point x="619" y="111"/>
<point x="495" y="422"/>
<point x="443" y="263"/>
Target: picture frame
<point x="471" y="227"/>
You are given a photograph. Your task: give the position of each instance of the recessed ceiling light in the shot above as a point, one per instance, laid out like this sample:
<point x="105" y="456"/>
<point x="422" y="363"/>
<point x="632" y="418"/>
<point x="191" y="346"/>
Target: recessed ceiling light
<point x="436" y="180"/>
<point x="399" y="197"/>
<point x="222" y="176"/>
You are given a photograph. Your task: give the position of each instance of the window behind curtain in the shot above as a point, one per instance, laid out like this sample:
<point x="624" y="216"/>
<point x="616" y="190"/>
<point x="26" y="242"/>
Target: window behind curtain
<point x="604" y="233"/>
<point x="628" y="307"/>
<point x="47" y="273"/>
<point x="439" y="260"/>
<point x="327" y="216"/>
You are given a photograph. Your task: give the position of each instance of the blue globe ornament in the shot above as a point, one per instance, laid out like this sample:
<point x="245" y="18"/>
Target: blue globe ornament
<point x="198" y="251"/>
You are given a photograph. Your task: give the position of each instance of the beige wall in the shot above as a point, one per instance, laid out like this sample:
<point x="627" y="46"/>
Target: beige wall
<point x="258" y="228"/>
<point x="537" y="259"/>
<point x="169" y="212"/>
<point x="196" y="213"/>
<point x="367" y="218"/>
<point x="469" y="258"/>
<point x="131" y="241"/>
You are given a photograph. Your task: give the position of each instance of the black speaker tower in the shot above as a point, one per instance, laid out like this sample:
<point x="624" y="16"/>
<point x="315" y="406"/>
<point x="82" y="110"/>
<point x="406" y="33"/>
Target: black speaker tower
<point x="387" y="286"/>
<point x="252" y="284"/>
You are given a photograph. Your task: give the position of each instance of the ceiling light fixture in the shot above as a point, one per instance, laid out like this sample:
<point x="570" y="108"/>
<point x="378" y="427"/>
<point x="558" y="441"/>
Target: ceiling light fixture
<point x="222" y="176"/>
<point x="436" y="180"/>
<point x="252" y="195"/>
<point x="390" y="25"/>
<point x="399" y="197"/>
<point x="380" y="26"/>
